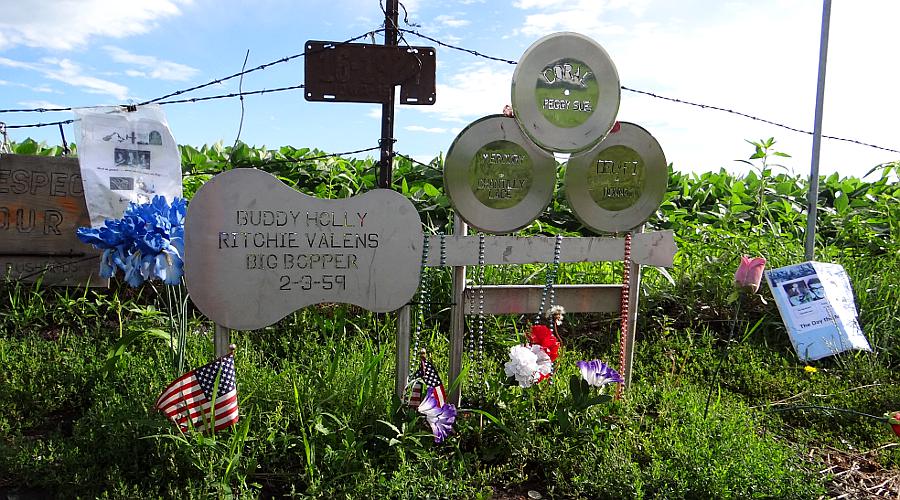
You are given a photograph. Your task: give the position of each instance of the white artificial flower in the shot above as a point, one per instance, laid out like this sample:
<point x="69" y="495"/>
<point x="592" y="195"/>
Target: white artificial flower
<point x="528" y="364"/>
<point x="522" y="365"/>
<point x="545" y="366"/>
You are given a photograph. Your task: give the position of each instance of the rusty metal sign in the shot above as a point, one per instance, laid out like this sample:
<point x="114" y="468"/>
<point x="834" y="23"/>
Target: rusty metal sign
<point x="620" y="183"/>
<point x="361" y="72"/>
<point x="41" y="206"/>
<point x="257" y="250"/>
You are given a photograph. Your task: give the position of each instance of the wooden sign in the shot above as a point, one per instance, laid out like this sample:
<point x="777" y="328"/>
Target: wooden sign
<point x="41" y="206"/>
<point x="257" y="250"/>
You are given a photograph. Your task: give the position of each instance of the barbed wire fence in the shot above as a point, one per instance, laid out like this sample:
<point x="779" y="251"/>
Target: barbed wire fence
<point x="166" y="99"/>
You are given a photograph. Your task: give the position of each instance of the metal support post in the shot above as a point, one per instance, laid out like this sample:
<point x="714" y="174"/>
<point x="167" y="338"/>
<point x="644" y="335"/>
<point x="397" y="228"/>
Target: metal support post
<point x="813" y="195"/>
<point x="402" y="349"/>
<point x="222" y="340"/>
<point x="457" y="314"/>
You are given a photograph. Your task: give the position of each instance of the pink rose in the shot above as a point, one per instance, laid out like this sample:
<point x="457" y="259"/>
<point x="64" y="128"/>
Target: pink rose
<point x="507" y="110"/>
<point x="750" y="272"/>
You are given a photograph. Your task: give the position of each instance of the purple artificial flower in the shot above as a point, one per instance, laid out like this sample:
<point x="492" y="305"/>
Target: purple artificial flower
<point x="598" y="374"/>
<point x="440" y="418"/>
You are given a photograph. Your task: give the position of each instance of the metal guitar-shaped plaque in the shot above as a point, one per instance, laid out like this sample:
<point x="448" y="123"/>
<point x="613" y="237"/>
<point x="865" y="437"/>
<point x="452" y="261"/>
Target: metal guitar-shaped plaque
<point x="257" y="250"/>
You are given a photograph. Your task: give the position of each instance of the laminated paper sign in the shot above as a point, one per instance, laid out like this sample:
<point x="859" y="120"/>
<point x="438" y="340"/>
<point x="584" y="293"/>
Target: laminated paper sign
<point x="126" y="157"/>
<point x="816" y="303"/>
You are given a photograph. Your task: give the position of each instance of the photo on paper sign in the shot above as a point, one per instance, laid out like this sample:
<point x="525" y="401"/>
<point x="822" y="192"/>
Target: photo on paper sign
<point x="145" y="190"/>
<point x="132" y="158"/>
<point x="121" y="183"/>
<point x="800" y="292"/>
<point x="790" y="273"/>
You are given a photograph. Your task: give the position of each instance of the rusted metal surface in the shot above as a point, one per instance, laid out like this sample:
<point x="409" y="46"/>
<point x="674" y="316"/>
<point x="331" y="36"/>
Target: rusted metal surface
<point x="360" y="72"/>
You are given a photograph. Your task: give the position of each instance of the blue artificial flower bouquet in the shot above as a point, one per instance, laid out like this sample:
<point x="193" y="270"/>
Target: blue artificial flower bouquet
<point x="146" y="243"/>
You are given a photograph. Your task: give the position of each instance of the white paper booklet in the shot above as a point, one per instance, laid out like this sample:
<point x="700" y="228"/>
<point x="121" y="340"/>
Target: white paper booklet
<point x="816" y="303"/>
<point x="126" y="156"/>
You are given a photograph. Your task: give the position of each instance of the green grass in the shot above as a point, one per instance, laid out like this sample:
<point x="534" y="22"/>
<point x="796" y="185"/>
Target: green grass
<point x="319" y="418"/>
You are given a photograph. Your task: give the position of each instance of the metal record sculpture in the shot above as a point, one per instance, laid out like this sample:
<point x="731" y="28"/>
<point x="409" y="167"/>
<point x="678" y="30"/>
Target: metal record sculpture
<point x="497" y="180"/>
<point x="565" y="92"/>
<point x="618" y="184"/>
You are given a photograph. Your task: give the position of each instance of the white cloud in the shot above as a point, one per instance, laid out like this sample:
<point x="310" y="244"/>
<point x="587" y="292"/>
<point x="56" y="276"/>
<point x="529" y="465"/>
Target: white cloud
<point x="428" y="130"/>
<point x="476" y="90"/>
<point x="581" y="16"/>
<point x="41" y="88"/>
<point x="41" y="104"/>
<point x="739" y="56"/>
<point x="64" y="25"/>
<point x="411" y="6"/>
<point x="151" y="66"/>
<point x="66" y="71"/>
<point x="10" y="63"/>
<point x="45" y="89"/>
<point x="533" y="4"/>
<point x="451" y="21"/>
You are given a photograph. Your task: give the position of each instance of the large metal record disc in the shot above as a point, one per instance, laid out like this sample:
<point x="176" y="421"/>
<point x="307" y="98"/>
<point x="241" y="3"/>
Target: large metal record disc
<point x="617" y="185"/>
<point x="565" y="92"/>
<point x="497" y="180"/>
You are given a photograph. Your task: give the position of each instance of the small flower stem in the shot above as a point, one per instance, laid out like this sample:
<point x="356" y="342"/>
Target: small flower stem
<point x="715" y="379"/>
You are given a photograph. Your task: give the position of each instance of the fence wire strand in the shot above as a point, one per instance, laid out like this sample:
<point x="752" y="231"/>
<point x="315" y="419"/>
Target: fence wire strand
<point x="251" y="70"/>
<point x="163" y="99"/>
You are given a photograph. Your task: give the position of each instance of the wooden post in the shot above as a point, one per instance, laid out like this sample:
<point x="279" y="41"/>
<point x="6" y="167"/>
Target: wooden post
<point x="457" y="314"/>
<point x="634" y="286"/>
<point x="385" y="171"/>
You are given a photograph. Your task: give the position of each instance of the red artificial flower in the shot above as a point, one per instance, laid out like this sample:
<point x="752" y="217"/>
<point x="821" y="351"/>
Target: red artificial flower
<point x="894" y="420"/>
<point x="542" y="336"/>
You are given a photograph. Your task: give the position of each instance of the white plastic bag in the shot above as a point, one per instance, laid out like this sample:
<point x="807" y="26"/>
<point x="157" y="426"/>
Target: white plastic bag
<point x="126" y="156"/>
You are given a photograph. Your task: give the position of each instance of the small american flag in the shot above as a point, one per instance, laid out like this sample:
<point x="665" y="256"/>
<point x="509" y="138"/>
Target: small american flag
<point x="187" y="401"/>
<point x="427" y="376"/>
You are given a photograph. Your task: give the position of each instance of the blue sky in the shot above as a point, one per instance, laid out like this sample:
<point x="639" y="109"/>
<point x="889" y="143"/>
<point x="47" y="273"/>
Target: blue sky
<point x="756" y="57"/>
